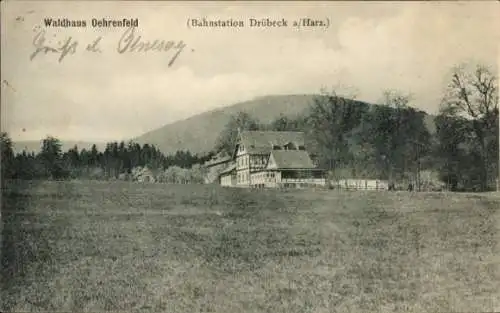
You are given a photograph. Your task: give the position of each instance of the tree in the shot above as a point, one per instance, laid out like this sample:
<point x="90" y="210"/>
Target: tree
<point x="124" y="158"/>
<point x="287" y="123"/>
<point x="331" y="120"/>
<point x="172" y="174"/>
<point x="198" y="173"/>
<point x="72" y="162"/>
<point x="393" y="136"/>
<point x="51" y="158"/>
<point x="94" y="156"/>
<point x="107" y="159"/>
<point x="116" y="160"/>
<point x="472" y="95"/>
<point x="451" y="151"/>
<point x="113" y="159"/>
<point x="29" y="166"/>
<point x="7" y="161"/>
<point x="396" y="135"/>
<point x="227" y="138"/>
<point x="73" y="157"/>
<point x="134" y="152"/>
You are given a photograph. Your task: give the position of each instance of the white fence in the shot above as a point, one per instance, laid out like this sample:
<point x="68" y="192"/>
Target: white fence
<point x="360" y="184"/>
<point x="313" y="181"/>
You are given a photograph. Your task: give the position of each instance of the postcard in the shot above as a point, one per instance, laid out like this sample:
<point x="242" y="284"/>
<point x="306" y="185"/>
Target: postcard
<point x="221" y="156"/>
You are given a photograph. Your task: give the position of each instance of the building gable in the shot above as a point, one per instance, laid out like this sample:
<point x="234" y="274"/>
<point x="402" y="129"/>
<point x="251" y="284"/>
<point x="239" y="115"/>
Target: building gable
<point x="240" y="148"/>
<point x="271" y="162"/>
<point x="236" y="148"/>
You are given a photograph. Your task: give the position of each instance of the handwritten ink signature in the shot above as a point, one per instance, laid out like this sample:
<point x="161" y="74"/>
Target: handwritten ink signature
<point x="41" y="46"/>
<point x="94" y="46"/>
<point x="130" y="42"/>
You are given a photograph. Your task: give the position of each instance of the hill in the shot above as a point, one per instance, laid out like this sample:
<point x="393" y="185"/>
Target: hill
<point x="199" y="133"/>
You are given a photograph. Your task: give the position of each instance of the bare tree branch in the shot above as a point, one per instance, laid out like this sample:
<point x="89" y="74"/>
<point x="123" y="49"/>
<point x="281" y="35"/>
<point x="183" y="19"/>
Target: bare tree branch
<point x="473" y="95"/>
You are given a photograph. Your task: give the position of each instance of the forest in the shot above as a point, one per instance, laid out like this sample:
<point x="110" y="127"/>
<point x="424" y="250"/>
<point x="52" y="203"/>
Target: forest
<point x="117" y="159"/>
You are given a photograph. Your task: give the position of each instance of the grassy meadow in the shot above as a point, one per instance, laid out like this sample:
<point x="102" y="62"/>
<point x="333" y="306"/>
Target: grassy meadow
<point x="128" y="247"/>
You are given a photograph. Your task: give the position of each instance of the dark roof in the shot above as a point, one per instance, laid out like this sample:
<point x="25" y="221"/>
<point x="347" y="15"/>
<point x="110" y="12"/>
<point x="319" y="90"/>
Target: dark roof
<point x="290" y="159"/>
<point x="218" y="161"/>
<point x="262" y="141"/>
<point x="228" y="169"/>
<point x="258" y="150"/>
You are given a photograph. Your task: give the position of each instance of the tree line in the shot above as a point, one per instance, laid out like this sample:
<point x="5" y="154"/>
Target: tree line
<point x="390" y="140"/>
<point x="394" y="141"/>
<point x="116" y="159"/>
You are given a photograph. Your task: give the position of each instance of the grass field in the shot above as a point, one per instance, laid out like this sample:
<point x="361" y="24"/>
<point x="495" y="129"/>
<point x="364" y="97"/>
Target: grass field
<point x="97" y="246"/>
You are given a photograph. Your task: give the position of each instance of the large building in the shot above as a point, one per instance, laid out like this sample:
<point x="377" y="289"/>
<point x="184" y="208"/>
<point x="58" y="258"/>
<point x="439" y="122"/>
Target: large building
<point x="271" y="159"/>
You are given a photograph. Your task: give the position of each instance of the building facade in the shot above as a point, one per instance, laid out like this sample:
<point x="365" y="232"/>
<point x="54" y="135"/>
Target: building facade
<point x="271" y="159"/>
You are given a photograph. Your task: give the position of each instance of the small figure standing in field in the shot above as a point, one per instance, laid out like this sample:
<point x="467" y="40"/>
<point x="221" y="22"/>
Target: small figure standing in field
<point x="410" y="187"/>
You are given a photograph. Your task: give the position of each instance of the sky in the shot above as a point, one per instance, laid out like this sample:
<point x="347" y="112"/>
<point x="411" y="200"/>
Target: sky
<point x="368" y="47"/>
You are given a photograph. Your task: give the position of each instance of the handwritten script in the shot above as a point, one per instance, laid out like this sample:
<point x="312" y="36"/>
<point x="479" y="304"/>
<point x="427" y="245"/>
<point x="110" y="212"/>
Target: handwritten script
<point x="129" y="42"/>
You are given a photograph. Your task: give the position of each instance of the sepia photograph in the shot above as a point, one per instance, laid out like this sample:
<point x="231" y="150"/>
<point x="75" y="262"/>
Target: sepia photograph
<point x="246" y="156"/>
